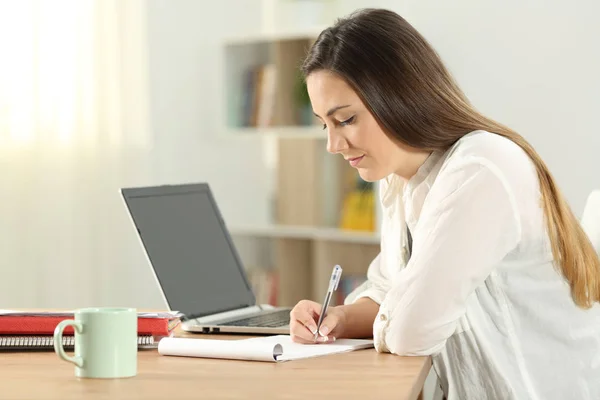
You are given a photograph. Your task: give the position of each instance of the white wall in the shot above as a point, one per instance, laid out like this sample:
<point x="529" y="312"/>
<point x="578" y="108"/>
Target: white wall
<point x="186" y="97"/>
<point x="532" y="65"/>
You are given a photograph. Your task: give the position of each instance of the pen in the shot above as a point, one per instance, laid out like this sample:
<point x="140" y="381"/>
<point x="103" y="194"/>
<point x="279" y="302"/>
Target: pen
<point x="333" y="284"/>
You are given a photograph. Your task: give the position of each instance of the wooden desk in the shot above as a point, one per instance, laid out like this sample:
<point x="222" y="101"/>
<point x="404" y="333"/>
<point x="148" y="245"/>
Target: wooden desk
<point x="363" y="374"/>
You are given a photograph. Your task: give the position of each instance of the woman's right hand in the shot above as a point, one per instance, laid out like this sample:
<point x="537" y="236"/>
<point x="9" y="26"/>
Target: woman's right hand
<point x="303" y="322"/>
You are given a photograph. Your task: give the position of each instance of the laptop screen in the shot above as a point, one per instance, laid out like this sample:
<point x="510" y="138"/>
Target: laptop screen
<point x="189" y="248"/>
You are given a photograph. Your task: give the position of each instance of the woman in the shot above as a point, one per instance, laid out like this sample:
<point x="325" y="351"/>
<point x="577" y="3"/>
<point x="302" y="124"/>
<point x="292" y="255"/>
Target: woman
<point x="501" y="285"/>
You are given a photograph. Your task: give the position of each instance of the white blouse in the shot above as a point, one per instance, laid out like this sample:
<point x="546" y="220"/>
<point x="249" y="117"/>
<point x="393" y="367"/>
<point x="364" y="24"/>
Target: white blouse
<point x="480" y="293"/>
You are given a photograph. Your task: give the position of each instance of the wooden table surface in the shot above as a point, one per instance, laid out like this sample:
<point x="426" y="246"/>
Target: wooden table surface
<point x="363" y="374"/>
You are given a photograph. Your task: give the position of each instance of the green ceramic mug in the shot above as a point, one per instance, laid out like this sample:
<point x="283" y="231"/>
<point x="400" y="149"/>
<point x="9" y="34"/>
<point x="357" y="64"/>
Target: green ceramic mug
<point x="105" y="342"/>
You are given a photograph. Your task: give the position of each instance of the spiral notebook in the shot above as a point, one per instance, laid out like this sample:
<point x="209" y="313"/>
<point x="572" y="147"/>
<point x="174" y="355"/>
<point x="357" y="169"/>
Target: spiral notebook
<point x="46" y="342"/>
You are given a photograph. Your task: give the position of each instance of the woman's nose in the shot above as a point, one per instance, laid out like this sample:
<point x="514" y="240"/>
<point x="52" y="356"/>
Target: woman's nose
<point x="335" y="143"/>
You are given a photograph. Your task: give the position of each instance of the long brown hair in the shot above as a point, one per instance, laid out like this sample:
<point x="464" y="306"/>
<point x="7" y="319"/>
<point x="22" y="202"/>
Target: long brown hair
<point x="407" y="88"/>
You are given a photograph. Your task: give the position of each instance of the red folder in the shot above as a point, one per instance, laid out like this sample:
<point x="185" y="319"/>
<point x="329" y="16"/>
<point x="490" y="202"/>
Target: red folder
<point x="43" y="323"/>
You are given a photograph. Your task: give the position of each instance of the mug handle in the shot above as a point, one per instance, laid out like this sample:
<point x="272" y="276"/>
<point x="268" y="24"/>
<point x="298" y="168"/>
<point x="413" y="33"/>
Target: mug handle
<point x="58" y="336"/>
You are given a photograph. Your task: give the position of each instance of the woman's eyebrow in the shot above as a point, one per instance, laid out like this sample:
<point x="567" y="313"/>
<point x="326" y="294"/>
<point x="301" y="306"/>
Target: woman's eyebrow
<point x="333" y="109"/>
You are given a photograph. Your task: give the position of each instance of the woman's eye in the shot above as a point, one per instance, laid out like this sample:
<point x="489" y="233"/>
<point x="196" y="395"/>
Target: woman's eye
<point x="347" y="121"/>
<point x="324" y="126"/>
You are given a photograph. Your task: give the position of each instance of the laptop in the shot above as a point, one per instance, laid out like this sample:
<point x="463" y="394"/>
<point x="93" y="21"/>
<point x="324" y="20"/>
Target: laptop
<point x="195" y="263"/>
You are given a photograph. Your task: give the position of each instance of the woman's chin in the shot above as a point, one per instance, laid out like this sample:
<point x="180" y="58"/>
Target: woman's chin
<point x="370" y="175"/>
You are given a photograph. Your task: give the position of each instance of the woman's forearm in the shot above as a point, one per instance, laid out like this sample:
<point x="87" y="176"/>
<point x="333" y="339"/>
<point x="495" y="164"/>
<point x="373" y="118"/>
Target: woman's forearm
<point x="359" y="318"/>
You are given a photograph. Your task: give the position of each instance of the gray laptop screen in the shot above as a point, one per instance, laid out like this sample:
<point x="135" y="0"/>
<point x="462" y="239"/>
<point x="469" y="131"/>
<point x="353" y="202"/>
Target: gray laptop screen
<point x="189" y="248"/>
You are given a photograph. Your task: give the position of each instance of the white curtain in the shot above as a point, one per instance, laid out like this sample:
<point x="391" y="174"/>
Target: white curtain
<point x="73" y="130"/>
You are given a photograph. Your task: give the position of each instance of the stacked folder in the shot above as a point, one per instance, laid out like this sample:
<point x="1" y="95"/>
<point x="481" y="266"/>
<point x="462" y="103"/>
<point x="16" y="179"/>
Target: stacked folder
<point x="31" y="330"/>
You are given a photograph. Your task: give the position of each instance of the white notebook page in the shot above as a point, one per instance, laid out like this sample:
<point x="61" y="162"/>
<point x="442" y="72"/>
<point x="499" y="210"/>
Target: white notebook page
<point x="268" y="348"/>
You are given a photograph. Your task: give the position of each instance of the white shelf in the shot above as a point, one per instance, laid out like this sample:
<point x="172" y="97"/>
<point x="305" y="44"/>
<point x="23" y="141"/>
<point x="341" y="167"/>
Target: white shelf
<point x="307" y="232"/>
<point x="292" y="132"/>
<point x="272" y="36"/>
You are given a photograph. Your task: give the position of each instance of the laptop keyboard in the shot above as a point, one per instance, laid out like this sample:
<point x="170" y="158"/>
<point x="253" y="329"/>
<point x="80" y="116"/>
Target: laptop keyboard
<point x="270" y="320"/>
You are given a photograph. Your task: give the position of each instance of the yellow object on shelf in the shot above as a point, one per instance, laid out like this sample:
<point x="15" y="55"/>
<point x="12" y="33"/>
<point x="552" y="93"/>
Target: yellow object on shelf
<point x="358" y="211"/>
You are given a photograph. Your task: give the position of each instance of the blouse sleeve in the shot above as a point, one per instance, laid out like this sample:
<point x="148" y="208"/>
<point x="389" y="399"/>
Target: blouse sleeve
<point x="467" y="225"/>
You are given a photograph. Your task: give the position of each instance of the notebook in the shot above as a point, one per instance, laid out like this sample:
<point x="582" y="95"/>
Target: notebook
<point x="46" y="342"/>
<point x="276" y="348"/>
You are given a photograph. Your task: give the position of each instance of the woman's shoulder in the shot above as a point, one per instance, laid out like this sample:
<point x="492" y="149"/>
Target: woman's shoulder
<point x="504" y="159"/>
<point x="488" y="145"/>
<point x="493" y="151"/>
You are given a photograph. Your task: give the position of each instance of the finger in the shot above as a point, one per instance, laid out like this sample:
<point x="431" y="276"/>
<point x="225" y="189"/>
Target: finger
<point x="300" y="333"/>
<point x="326" y="334"/>
<point x="328" y="326"/>
<point x="309" y="306"/>
<point x="306" y="315"/>
<point x="304" y="325"/>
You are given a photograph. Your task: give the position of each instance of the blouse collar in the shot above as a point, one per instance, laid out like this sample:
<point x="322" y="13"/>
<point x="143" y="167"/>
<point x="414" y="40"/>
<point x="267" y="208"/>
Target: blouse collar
<point x="394" y="184"/>
<point x="423" y="171"/>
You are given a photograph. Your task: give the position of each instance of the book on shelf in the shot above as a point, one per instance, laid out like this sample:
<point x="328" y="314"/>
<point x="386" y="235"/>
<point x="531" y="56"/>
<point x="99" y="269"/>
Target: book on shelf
<point x="33" y="330"/>
<point x="259" y="96"/>
<point x="358" y="210"/>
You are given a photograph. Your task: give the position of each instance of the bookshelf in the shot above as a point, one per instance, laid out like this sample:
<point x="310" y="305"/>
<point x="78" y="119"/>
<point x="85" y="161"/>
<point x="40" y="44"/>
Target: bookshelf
<point x="292" y="256"/>
<point x="325" y="234"/>
<point x="263" y="83"/>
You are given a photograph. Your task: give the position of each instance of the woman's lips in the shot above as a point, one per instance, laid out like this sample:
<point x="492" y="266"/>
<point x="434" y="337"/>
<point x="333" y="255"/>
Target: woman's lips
<point x="355" y="161"/>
